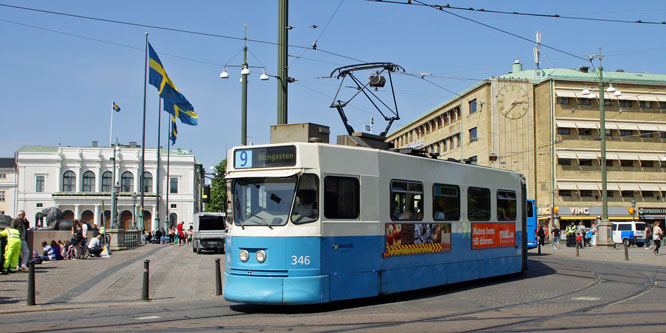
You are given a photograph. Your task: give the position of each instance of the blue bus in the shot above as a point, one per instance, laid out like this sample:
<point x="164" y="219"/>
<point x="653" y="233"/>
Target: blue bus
<point x="531" y="224"/>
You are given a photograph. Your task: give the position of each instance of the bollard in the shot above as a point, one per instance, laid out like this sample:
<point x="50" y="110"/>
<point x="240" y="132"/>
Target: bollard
<point x="539" y="247"/>
<point x="31" y="283"/>
<point x="577" y="248"/>
<point x="145" y="289"/>
<point x="626" y="252"/>
<point x="218" y="278"/>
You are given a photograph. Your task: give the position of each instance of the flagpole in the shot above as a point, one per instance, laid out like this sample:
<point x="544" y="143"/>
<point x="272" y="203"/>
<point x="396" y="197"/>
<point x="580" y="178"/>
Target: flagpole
<point x="143" y="140"/>
<point x="167" y="177"/>
<point x="111" y="130"/>
<point x="156" y="225"/>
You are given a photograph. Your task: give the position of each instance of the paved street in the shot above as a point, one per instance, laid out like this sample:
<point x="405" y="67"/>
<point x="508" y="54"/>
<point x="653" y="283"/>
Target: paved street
<point x="599" y="290"/>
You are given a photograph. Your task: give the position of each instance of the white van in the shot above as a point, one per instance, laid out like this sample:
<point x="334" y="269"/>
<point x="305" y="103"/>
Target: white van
<point x="208" y="232"/>
<point x="630" y="232"/>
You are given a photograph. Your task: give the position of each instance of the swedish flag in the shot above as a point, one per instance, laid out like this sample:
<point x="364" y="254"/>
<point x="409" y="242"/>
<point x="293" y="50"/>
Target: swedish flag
<point x="174" y="101"/>
<point x="174" y="131"/>
<point x="116" y="107"/>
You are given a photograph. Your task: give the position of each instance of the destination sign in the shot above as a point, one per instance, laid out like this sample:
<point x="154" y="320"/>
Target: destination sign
<point x="265" y="157"/>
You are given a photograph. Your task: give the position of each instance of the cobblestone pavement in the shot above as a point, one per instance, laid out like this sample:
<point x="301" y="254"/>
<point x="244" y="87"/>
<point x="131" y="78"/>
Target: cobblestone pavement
<point x="178" y="274"/>
<point x="175" y="273"/>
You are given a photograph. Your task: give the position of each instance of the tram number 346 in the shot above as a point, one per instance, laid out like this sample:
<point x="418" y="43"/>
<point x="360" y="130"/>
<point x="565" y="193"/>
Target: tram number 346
<point x="302" y="260"/>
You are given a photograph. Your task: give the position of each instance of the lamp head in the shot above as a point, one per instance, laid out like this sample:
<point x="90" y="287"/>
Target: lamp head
<point x="224" y="74"/>
<point x="585" y="91"/>
<point x="245" y="71"/>
<point x="263" y="76"/>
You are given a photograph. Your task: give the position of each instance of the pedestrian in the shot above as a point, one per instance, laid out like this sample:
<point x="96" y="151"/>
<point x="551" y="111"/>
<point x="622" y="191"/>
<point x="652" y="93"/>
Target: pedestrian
<point x="77" y="238"/>
<point x="556" y="237"/>
<point x="657" y="234"/>
<point x="190" y="232"/>
<point x="21" y="224"/>
<point x="48" y="252"/>
<point x="648" y="236"/>
<point x="542" y="235"/>
<point x="12" y="249"/>
<point x="57" y="249"/>
<point x="181" y="236"/>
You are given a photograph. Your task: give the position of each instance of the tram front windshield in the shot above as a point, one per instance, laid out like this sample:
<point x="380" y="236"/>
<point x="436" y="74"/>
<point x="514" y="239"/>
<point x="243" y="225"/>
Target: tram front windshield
<point x="262" y="201"/>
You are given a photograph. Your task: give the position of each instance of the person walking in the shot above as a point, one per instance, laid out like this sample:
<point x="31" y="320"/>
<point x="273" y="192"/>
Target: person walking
<point x="21" y="224"/>
<point x="556" y="237"/>
<point x="12" y="249"/>
<point x="181" y="236"/>
<point x="657" y="234"/>
<point x="541" y="234"/>
<point x="648" y="236"/>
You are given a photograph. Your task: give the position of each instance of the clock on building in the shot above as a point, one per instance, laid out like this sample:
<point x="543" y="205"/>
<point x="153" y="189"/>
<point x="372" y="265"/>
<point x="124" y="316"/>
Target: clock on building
<point x="512" y="101"/>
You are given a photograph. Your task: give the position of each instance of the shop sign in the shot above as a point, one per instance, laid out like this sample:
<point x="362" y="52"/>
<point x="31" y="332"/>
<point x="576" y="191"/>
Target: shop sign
<point x="652" y="211"/>
<point x="579" y="211"/>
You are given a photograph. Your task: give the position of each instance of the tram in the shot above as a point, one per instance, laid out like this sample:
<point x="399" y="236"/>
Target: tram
<point x="317" y="222"/>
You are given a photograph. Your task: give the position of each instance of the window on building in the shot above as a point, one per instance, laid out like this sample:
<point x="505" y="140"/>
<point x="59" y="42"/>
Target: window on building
<point x="563" y="100"/>
<point x="609" y="133"/>
<point x="506" y="205"/>
<point x="39" y="183"/>
<point x="174" y="206"/>
<point x="584" y="101"/>
<point x="458" y="140"/>
<point x="645" y="104"/>
<point x="564" y="193"/>
<point x="127" y="182"/>
<point x="173" y="185"/>
<point x="585" y="193"/>
<point x="472" y="160"/>
<point x="472" y="135"/>
<point x="609" y="163"/>
<point x="608" y="102"/>
<point x="626" y="133"/>
<point x="645" y="134"/>
<point x="625" y="103"/>
<point x="39" y="205"/>
<point x="445" y="202"/>
<point x="663" y="164"/>
<point x="626" y="163"/>
<point x="585" y="162"/>
<point x="648" y="194"/>
<point x="647" y="164"/>
<point x="584" y="131"/>
<point x="662" y="135"/>
<point x="88" y="182"/>
<point x="478" y="204"/>
<point x="406" y="200"/>
<point x="2" y="195"/>
<point x="627" y="194"/>
<point x="609" y="193"/>
<point x="472" y="106"/>
<point x="68" y="181"/>
<point x="563" y="131"/>
<point x="107" y="181"/>
<point x="341" y="197"/>
<point x="564" y="161"/>
<point x="3" y="176"/>
<point x="662" y="105"/>
<point x="147" y="182"/>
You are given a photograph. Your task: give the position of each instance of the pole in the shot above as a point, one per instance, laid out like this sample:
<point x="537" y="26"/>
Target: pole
<point x="283" y="69"/>
<point x="218" y="279"/>
<point x="244" y="94"/>
<point x="31" y="283"/>
<point x="143" y="140"/>
<point x="114" y="200"/>
<point x="605" y="225"/>
<point x="145" y="291"/>
<point x="156" y="224"/>
<point x="168" y="186"/>
<point x="111" y="129"/>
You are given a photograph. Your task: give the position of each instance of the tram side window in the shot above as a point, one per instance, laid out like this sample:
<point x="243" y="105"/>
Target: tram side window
<point x="446" y="202"/>
<point x="406" y="200"/>
<point x="506" y="205"/>
<point x="341" y="197"/>
<point x="306" y="203"/>
<point x="478" y="204"/>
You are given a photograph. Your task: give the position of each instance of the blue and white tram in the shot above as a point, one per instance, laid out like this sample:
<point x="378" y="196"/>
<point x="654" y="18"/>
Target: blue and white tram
<point x="315" y="223"/>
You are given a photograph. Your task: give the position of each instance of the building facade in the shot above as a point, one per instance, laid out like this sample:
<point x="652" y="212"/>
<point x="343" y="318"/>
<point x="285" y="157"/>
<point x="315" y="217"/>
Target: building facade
<point x="545" y="124"/>
<point x="8" y="186"/>
<point x="79" y="181"/>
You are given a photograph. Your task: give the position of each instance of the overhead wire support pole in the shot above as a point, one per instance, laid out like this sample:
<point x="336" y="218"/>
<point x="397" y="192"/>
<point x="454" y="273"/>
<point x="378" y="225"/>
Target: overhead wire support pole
<point x="283" y="69"/>
<point x="143" y="140"/>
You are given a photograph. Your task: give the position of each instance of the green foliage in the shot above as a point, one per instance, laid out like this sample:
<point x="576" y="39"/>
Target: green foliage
<point x="218" y="189"/>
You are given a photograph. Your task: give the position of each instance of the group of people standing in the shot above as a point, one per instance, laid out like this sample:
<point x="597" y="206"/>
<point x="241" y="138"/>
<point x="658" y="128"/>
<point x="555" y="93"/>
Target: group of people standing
<point x="174" y="235"/>
<point x="17" y="245"/>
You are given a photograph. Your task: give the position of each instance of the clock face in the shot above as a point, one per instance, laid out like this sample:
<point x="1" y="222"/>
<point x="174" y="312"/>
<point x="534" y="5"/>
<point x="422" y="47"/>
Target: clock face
<point x="512" y="102"/>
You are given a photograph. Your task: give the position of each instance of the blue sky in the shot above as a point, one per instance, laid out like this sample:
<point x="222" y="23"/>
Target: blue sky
<point x="59" y="75"/>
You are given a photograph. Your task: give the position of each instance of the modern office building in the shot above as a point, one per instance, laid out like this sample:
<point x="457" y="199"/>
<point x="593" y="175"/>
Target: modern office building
<point x="79" y="181"/>
<point x="545" y="124"/>
<point x="8" y="186"/>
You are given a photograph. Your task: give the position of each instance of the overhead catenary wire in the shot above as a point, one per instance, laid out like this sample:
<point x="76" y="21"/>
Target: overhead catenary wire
<point x="314" y="44"/>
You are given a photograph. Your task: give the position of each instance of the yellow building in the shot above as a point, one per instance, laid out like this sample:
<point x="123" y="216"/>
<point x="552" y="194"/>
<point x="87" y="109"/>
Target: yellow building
<point x="544" y="124"/>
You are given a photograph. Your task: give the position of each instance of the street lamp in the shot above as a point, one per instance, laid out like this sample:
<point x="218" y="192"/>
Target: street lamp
<point x="114" y="205"/>
<point x="605" y="234"/>
<point x="633" y="210"/>
<point x="245" y="72"/>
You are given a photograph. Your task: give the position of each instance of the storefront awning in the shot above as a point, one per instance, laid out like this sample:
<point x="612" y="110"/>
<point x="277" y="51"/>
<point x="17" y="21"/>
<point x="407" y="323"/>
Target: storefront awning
<point x="649" y="157"/>
<point x="649" y="187"/>
<point x="588" y="186"/>
<point x="586" y="155"/>
<point x="566" y="124"/>
<point x="566" y="186"/>
<point x="568" y="93"/>
<point x="628" y="156"/>
<point x="612" y="187"/>
<point x="628" y="187"/>
<point x="566" y="154"/>
<point x="648" y="127"/>
<point x="626" y="126"/>
<point x="578" y="217"/>
<point x="587" y="124"/>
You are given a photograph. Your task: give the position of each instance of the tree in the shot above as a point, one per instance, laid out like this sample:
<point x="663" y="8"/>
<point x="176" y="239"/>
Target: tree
<point x="218" y="189"/>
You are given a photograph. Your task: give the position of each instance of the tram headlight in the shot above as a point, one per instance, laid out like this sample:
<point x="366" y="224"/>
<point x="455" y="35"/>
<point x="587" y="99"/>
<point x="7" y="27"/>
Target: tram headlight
<point x="244" y="255"/>
<point x="261" y="256"/>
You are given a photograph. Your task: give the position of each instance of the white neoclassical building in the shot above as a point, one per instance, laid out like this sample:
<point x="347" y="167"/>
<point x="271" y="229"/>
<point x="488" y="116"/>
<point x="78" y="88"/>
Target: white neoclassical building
<point x="78" y="180"/>
<point x="8" y="186"/>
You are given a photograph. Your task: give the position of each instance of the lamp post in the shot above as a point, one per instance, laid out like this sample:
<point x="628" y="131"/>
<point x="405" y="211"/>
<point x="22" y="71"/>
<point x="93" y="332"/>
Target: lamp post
<point x="114" y="192"/>
<point x="605" y="234"/>
<point x="134" y="209"/>
<point x="245" y="72"/>
<point x="633" y="209"/>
